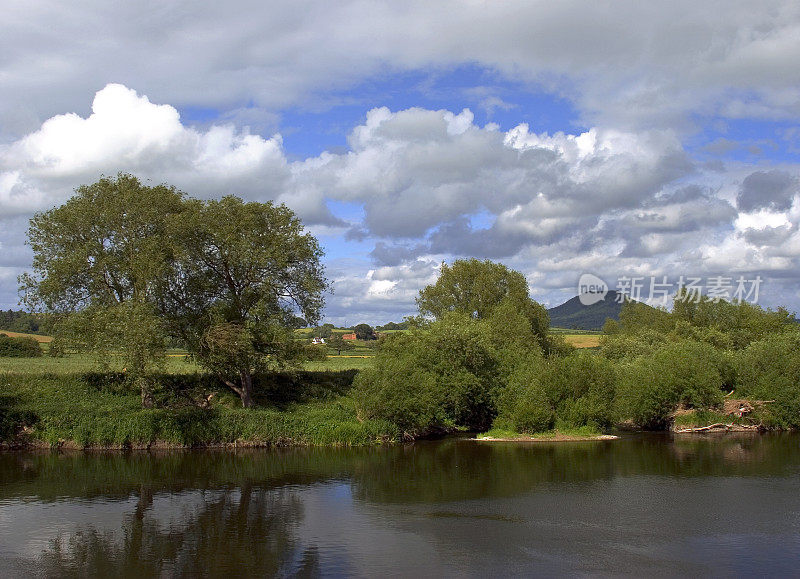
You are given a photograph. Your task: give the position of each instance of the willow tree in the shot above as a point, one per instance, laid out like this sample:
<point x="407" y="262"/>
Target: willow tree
<point x="98" y="260"/>
<point x="242" y="274"/>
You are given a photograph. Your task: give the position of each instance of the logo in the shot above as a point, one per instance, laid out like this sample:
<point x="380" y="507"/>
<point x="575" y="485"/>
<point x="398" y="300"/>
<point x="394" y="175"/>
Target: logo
<point x="591" y="289"/>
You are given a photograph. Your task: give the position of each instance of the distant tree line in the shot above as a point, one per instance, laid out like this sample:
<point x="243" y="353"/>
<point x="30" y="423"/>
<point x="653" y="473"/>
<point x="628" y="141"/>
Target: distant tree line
<point x="24" y="322"/>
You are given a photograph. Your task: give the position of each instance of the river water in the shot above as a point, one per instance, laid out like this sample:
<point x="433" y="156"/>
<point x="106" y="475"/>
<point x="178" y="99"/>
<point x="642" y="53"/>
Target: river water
<point x="652" y="505"/>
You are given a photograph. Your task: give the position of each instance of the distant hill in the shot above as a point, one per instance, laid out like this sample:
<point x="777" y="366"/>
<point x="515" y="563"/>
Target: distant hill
<point x="573" y="314"/>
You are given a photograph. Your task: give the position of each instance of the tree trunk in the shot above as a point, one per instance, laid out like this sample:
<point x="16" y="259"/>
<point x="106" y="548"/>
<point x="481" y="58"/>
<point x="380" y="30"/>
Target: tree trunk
<point x="246" y="392"/>
<point x="146" y="390"/>
<point x="147" y="397"/>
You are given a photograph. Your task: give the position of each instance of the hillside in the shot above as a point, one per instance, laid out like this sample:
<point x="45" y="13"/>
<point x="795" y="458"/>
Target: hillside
<point x="573" y="314"/>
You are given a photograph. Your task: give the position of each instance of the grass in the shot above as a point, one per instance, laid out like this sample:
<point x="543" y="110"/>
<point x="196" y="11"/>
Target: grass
<point x="78" y="363"/>
<point x="562" y="433"/>
<point x="76" y="401"/>
<point x="700" y="418"/>
<point x="74" y="410"/>
<point x="583" y="340"/>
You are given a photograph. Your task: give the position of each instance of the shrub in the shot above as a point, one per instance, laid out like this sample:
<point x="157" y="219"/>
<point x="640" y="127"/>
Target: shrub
<point x="619" y="346"/>
<point x="442" y="376"/>
<point x="524" y="404"/>
<point x="572" y="392"/>
<point x="770" y="370"/>
<point x="687" y="372"/>
<point x="586" y="386"/>
<point x="19" y="347"/>
<point x="316" y="353"/>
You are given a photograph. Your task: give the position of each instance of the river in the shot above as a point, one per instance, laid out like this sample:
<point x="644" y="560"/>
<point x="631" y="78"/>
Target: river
<point x="652" y="505"/>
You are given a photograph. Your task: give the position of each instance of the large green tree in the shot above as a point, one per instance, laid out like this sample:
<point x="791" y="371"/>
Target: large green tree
<point x="477" y="288"/>
<point x="242" y="272"/>
<point x="98" y="260"/>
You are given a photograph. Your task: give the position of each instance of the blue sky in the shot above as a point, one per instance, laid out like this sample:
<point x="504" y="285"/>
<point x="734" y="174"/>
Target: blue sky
<point x="618" y="139"/>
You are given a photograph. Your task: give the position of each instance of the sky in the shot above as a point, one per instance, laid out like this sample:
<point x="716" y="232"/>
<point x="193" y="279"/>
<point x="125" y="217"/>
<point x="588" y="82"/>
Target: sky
<point x="654" y="142"/>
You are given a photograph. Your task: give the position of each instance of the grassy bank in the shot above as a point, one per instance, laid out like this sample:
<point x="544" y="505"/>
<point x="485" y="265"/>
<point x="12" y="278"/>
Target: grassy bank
<point x="562" y="434"/>
<point x="86" y="410"/>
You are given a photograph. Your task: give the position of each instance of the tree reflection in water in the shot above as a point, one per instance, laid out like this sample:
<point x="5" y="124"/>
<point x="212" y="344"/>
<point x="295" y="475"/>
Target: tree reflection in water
<point x="283" y="511"/>
<point x="239" y="531"/>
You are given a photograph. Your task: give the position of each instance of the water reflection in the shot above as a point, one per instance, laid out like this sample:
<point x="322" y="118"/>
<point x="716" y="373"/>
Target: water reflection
<point x="244" y="530"/>
<point x="547" y="508"/>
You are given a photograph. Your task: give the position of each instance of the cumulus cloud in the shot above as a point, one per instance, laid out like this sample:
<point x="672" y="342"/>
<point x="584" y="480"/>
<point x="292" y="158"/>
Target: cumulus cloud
<point x="416" y="169"/>
<point x="125" y="131"/>
<point x="433" y="185"/>
<point x="624" y="63"/>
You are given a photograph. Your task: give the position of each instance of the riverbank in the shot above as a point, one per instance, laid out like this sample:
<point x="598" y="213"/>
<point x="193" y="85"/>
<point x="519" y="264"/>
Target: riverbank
<point x="85" y="411"/>
<point x="90" y="410"/>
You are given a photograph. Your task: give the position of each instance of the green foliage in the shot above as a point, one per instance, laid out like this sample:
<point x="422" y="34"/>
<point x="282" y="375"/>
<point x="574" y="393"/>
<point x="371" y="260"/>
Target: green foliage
<point x="104" y="246"/>
<point x="568" y="392"/>
<point x="393" y="326"/>
<point x="686" y="372"/>
<point x="315" y="352"/>
<point x="770" y="370"/>
<point x="336" y="342"/>
<point x="97" y="410"/>
<point x="525" y="405"/>
<point x="241" y="273"/>
<point x="636" y="316"/>
<point x="723" y="324"/>
<point x="626" y="346"/>
<point x="700" y="418"/>
<point x="19" y="347"/>
<point x="476" y="288"/>
<point x="130" y="265"/>
<point x="364" y="332"/>
<point x="24" y="322"/>
<point x="324" y="331"/>
<point x="427" y="379"/>
<point x="740" y="322"/>
<point x="101" y="254"/>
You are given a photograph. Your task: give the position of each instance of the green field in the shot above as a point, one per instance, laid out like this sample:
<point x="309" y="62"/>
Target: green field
<point x="174" y="364"/>
<point x="77" y="363"/>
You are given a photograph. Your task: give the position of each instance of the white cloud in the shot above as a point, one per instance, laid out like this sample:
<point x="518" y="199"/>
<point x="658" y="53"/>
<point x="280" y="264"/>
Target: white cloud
<point x="606" y="201"/>
<point x="415" y="169"/>
<point x="126" y="132"/>
<point x="625" y="63"/>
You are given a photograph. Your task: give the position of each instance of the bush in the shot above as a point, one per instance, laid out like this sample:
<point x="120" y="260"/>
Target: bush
<point x="586" y="386"/>
<point x="19" y="347"/>
<point x="524" y="404"/>
<point x="770" y="370"/>
<point x="428" y="379"/>
<point x="316" y="353"/>
<point x="569" y="392"/>
<point x="687" y="372"/>
<point x="619" y="346"/>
